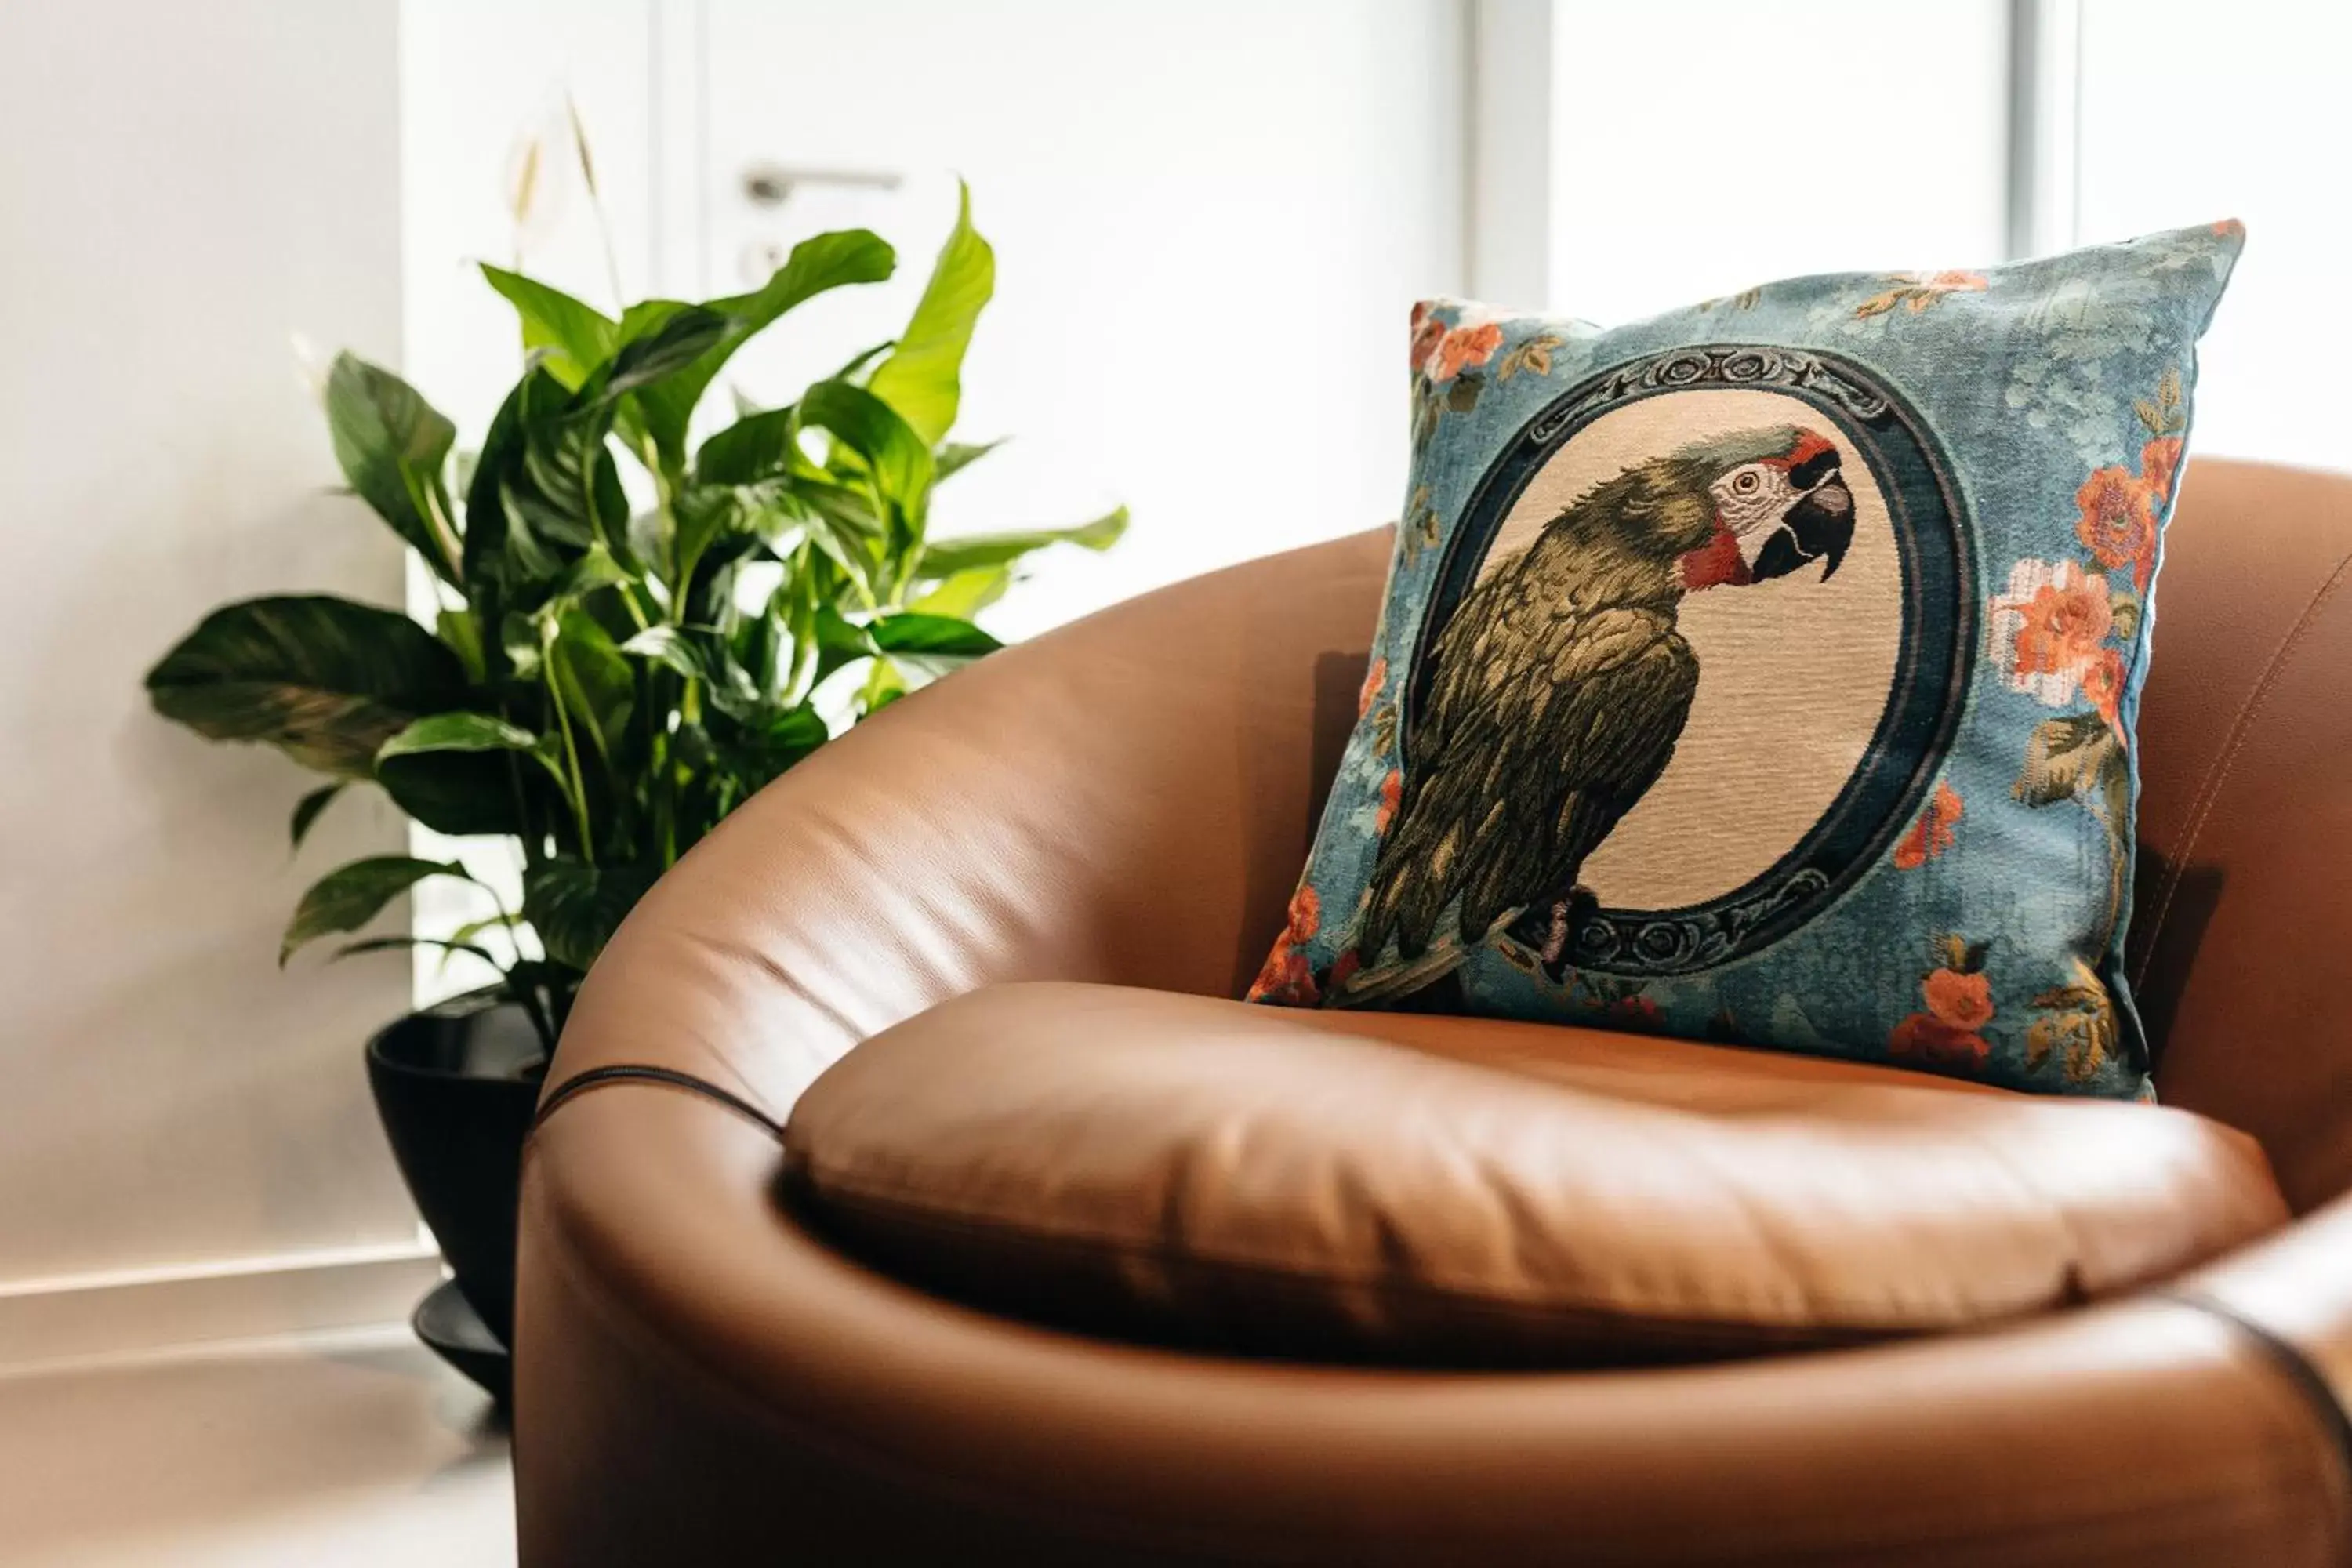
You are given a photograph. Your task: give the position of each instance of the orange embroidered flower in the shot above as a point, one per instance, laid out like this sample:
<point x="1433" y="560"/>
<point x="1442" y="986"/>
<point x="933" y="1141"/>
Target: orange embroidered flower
<point x="2159" y="467"/>
<point x="2046" y="630"/>
<point x="1286" y="979"/>
<point x="1961" y="998"/>
<point x="2118" y="521"/>
<point x="1374" y="679"/>
<point x="1932" y="833"/>
<point x="1427" y="329"/>
<point x="1465" y="347"/>
<point x="1391" y="797"/>
<point x="1932" y="1042"/>
<point x="1959" y="995"/>
<point x="2103" y="683"/>
<point x="1306" y="913"/>
<point x="2062" y="625"/>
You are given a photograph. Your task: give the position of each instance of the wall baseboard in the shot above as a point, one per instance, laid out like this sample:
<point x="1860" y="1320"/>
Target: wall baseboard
<point x="73" y="1318"/>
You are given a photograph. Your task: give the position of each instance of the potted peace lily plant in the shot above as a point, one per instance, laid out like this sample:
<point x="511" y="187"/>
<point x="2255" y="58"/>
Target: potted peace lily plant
<point x="612" y="666"/>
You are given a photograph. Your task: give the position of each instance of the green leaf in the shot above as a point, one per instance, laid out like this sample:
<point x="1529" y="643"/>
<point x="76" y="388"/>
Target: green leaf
<point x="768" y="742"/>
<point x="463" y="635"/>
<point x="569" y="488"/>
<point x="947" y="557"/>
<point x="839" y="642"/>
<point x="938" y="635"/>
<point x="667" y="344"/>
<point x="307" y="810"/>
<point x="545" y="490"/>
<point x="575" y="908"/>
<point x="898" y="459"/>
<point x="699" y="654"/>
<point x="458" y="732"/>
<point x="956" y="455"/>
<point x="596" y="569"/>
<point x="668" y="647"/>
<point x="929" y="645"/>
<point x="860" y="360"/>
<point x="465" y="793"/>
<point x="392" y="445"/>
<point x="518" y="639"/>
<point x="847" y="534"/>
<point x="966" y="594"/>
<point x="325" y="681"/>
<point x="751" y="448"/>
<point x="384" y="943"/>
<point x="922" y="379"/>
<point x="716" y="524"/>
<point x="825" y="261"/>
<point x="489" y="534"/>
<point x="885" y="684"/>
<point x="593" y="681"/>
<point x="2063" y="759"/>
<point x="576" y="338"/>
<point x="758" y="642"/>
<point x="474" y="927"/>
<point x="350" y="895"/>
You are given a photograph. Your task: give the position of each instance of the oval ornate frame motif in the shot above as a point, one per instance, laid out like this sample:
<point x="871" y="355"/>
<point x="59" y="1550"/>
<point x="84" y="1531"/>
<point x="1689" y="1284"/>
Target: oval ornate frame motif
<point x="1940" y="612"/>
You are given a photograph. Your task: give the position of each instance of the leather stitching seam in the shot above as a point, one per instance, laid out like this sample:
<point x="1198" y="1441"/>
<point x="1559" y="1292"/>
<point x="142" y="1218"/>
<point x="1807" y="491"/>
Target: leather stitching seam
<point x="2290" y="1359"/>
<point x="661" y="1078"/>
<point x="2210" y="790"/>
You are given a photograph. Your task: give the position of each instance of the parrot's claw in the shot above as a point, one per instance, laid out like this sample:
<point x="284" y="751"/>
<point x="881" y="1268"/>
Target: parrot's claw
<point x="1555" y="945"/>
<point x="1567" y="915"/>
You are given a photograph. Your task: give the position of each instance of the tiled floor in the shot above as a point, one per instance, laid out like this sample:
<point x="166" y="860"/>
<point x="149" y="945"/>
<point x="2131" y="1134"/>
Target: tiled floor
<point x="360" y="1451"/>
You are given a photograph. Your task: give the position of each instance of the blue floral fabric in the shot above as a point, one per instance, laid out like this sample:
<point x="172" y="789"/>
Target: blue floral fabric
<point x="1766" y="673"/>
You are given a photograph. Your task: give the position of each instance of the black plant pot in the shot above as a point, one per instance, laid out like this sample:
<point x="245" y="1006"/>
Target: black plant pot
<point x="456" y="1086"/>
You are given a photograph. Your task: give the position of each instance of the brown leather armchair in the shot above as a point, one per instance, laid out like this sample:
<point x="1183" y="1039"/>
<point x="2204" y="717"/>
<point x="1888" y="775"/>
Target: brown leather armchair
<point x="699" y="1379"/>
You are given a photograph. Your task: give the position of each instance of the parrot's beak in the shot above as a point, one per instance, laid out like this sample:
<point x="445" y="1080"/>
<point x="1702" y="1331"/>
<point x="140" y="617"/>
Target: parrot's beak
<point x="1818" y="528"/>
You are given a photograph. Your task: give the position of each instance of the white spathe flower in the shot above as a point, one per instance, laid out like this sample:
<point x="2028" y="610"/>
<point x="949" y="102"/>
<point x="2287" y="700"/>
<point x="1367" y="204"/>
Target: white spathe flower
<point x="540" y="170"/>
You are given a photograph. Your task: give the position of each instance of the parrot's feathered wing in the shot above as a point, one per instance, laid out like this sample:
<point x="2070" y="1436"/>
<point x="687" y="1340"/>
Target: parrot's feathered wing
<point x="1520" y="788"/>
<point x="1560" y="689"/>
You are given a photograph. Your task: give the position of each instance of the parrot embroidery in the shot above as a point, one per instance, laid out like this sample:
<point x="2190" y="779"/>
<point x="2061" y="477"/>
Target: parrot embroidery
<point x="1560" y="688"/>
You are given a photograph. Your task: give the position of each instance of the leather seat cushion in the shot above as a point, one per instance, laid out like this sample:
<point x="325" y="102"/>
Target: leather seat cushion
<point x="1432" y="1191"/>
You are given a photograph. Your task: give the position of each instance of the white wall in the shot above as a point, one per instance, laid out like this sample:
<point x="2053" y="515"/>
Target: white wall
<point x="183" y="1127"/>
<point x="1699" y="147"/>
<point x="2193" y="112"/>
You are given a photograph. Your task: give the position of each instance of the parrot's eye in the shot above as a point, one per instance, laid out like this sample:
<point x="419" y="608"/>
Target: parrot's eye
<point x="1747" y="483"/>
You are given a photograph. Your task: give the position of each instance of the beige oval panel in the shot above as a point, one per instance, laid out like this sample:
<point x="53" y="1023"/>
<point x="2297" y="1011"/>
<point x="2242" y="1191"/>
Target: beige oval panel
<point x="1794" y="673"/>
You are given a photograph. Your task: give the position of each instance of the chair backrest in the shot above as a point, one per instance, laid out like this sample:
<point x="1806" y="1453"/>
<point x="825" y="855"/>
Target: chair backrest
<point x="1129" y="798"/>
<point x="2241" y="941"/>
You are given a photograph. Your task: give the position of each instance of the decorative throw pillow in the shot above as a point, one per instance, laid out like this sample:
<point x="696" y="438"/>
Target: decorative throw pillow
<point x="1766" y="671"/>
